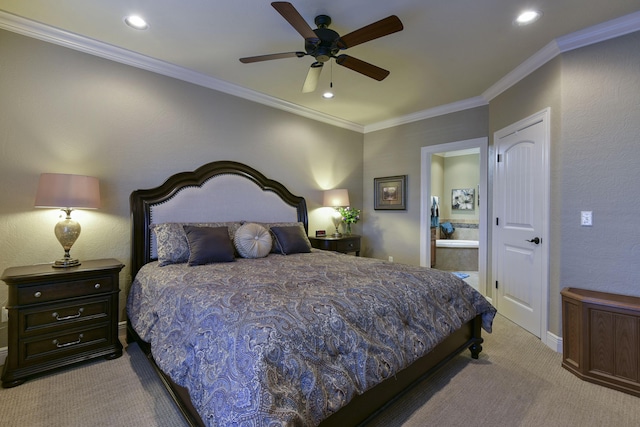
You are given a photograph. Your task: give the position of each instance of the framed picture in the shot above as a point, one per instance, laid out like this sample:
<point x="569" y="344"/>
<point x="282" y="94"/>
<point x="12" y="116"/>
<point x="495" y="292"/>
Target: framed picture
<point x="463" y="199"/>
<point x="390" y="193"/>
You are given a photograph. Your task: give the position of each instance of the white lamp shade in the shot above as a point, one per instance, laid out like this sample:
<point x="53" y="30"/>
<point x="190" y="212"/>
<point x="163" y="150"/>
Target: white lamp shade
<point x="336" y="198"/>
<point x="56" y="190"/>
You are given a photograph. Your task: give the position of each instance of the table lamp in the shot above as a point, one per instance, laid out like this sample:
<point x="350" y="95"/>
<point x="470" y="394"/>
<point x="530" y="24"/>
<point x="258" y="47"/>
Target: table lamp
<point x="67" y="192"/>
<point x="336" y="198"/>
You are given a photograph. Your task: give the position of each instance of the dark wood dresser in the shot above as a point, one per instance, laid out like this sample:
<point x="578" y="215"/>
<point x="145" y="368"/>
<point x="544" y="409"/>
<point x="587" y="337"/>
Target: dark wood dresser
<point x="344" y="244"/>
<point x="601" y="338"/>
<point x="60" y="316"/>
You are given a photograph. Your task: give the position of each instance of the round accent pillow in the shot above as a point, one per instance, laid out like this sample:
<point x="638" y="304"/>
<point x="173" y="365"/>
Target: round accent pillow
<point x="252" y="241"/>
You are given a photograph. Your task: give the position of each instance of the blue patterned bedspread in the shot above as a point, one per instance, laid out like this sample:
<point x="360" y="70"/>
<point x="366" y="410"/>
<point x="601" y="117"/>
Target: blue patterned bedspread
<point x="288" y="340"/>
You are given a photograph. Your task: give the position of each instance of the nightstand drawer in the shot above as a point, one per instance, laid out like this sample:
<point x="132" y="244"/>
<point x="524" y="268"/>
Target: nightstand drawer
<point x="39" y="320"/>
<point x="348" y="245"/>
<point x="63" y="344"/>
<point x="56" y="291"/>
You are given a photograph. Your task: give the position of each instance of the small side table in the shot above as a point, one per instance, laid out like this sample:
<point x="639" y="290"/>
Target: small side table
<point x="60" y="316"/>
<point x="344" y="244"/>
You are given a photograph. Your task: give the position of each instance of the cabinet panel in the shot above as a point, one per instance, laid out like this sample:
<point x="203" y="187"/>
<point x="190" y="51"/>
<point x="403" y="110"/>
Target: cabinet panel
<point x="601" y="338"/>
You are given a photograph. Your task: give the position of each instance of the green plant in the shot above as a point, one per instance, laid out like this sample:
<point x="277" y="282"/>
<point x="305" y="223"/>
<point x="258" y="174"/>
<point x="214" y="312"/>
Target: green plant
<point x="349" y="215"/>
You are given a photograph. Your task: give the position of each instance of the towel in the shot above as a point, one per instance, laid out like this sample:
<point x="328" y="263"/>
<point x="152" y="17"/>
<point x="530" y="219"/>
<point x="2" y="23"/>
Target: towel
<point x="460" y="275"/>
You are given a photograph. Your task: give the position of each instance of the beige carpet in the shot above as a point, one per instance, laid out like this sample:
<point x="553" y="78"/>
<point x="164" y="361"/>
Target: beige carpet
<point x="517" y="381"/>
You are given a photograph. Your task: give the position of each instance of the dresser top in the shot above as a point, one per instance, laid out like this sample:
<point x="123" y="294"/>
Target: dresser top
<point x="27" y="272"/>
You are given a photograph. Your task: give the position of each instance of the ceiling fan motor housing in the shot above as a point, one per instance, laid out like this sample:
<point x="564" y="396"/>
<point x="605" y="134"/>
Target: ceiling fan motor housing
<point x="326" y="48"/>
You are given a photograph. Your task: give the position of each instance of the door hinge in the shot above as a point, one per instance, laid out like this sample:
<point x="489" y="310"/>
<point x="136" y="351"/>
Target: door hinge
<point x="497" y="221"/>
<point x="499" y="158"/>
<point x="496" y="284"/>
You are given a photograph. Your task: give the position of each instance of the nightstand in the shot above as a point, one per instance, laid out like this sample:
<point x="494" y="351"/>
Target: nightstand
<point x="342" y="244"/>
<point x="60" y="316"/>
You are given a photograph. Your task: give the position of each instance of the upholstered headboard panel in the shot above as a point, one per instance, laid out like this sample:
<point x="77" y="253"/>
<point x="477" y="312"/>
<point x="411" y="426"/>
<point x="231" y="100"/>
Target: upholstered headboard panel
<point x="216" y="192"/>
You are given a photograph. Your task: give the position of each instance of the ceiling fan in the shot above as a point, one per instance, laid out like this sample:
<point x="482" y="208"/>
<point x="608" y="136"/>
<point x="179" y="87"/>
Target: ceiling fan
<point x="324" y="44"/>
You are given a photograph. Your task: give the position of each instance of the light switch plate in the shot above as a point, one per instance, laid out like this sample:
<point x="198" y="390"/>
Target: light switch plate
<point x="586" y="218"/>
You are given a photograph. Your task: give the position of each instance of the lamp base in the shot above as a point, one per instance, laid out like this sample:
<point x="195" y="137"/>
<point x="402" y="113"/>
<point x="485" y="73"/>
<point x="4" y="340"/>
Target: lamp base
<point x="65" y="263"/>
<point x="336" y="234"/>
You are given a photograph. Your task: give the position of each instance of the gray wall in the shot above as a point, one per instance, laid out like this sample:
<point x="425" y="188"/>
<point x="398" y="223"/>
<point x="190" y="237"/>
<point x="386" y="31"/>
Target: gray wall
<point x="70" y="112"/>
<point x="396" y="151"/>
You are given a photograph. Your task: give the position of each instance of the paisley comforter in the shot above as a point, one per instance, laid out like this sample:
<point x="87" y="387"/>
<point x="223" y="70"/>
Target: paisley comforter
<point x="288" y="340"/>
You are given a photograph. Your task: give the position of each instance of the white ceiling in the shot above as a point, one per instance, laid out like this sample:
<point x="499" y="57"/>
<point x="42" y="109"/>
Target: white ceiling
<point x="452" y="54"/>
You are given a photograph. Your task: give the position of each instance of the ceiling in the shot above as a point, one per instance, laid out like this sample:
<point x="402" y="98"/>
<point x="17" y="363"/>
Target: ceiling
<point x="451" y="53"/>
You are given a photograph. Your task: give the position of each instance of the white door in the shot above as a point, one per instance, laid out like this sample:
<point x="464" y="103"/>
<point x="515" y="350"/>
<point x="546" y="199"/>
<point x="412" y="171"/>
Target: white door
<point x="520" y="255"/>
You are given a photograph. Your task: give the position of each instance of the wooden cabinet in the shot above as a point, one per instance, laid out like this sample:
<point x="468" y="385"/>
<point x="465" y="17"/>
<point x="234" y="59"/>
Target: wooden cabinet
<point x="60" y="316"/>
<point x="601" y="338"/>
<point x="342" y="244"/>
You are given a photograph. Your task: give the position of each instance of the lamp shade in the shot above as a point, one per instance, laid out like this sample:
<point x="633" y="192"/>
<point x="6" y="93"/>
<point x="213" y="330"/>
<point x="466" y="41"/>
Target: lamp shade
<point x="337" y="197"/>
<point x="56" y="190"/>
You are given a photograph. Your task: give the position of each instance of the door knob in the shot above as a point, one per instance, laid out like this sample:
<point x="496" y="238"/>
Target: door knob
<point x="535" y="240"/>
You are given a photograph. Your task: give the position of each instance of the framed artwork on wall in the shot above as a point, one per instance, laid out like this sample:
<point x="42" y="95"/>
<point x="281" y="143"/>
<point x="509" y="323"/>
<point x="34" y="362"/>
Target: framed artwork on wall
<point x="463" y="199"/>
<point x="390" y="193"/>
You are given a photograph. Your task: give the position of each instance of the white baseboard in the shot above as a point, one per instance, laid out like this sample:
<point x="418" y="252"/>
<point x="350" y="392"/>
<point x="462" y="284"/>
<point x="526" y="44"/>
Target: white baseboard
<point x="554" y="342"/>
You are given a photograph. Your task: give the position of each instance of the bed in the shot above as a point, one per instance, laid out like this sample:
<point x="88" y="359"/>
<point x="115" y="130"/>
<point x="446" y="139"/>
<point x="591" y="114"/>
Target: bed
<point x="298" y="336"/>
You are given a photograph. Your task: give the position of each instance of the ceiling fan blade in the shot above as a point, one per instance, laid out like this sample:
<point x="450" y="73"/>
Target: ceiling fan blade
<point x="269" y="57"/>
<point x="384" y="27"/>
<point x="362" y="67"/>
<point x="311" y="82"/>
<point x="294" y="18"/>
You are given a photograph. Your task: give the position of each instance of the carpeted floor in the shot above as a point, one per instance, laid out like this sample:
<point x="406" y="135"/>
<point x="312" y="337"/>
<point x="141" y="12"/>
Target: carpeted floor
<point x="517" y="381"/>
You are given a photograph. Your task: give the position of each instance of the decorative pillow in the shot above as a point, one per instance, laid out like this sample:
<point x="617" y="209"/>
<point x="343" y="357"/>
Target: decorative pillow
<point x="172" y="245"/>
<point x="253" y="241"/>
<point x="291" y="240"/>
<point x="268" y="225"/>
<point x="208" y="245"/>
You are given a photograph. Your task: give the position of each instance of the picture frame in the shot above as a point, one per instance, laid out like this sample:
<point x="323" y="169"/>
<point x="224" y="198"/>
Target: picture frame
<point x="390" y="193"/>
<point x="463" y="199"/>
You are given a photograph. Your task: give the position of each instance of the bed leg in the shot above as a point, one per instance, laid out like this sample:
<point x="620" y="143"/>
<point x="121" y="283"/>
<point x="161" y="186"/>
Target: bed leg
<point x="476" y="347"/>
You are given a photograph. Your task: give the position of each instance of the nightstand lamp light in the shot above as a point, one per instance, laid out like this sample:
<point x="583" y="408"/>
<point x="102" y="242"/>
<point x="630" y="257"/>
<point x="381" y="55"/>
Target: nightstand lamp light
<point x="67" y="192"/>
<point x="337" y="198"/>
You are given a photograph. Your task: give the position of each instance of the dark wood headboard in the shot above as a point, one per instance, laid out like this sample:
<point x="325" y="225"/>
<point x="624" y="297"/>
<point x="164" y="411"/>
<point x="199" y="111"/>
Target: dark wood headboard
<point x="144" y="201"/>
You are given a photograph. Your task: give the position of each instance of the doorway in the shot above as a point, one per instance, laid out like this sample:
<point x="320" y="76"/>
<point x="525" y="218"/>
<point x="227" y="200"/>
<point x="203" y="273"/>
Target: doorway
<point x="481" y="145"/>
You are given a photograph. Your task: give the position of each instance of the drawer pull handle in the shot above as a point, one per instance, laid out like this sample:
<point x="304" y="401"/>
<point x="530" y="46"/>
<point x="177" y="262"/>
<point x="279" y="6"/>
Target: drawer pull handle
<point x="97" y="286"/>
<point x="73" y="316"/>
<point x="37" y="294"/>
<point x="67" y="344"/>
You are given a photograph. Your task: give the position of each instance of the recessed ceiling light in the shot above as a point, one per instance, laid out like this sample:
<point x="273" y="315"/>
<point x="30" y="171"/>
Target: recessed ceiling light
<point x="327" y="95"/>
<point x="528" y="17"/>
<point x="135" y="21"/>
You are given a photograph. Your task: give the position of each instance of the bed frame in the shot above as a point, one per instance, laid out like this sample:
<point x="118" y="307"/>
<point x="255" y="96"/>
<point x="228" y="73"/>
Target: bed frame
<point x="155" y="205"/>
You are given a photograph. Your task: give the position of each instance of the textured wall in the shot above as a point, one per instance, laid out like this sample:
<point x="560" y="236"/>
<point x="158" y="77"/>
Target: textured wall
<point x="69" y="112"/>
<point x="601" y="166"/>
<point x="396" y="151"/>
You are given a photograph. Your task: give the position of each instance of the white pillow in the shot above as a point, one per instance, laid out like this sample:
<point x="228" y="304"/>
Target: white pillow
<point x="252" y="241"/>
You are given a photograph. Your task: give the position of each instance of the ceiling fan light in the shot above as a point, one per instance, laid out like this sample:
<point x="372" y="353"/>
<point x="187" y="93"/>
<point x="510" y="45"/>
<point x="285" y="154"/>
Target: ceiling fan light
<point x="135" y="21"/>
<point x="527" y="17"/>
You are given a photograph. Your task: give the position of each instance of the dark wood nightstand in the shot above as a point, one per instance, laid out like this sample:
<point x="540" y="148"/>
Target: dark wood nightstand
<point x="342" y="244"/>
<point x="60" y="316"/>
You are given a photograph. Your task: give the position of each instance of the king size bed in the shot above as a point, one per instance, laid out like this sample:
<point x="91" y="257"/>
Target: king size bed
<point x="247" y="325"/>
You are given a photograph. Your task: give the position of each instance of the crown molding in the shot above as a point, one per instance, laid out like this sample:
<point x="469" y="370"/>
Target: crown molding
<point x="74" y="41"/>
<point x="440" y="110"/>
<point x="595" y="34"/>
